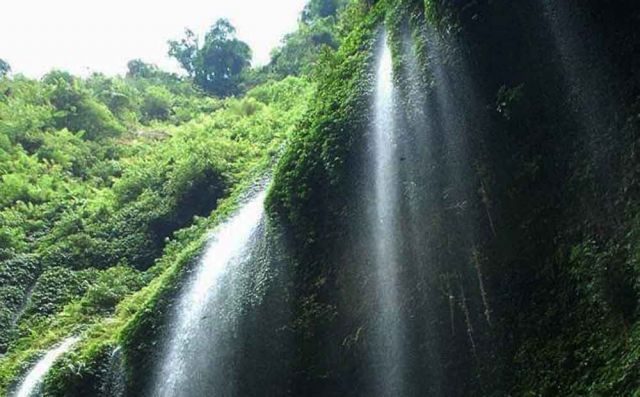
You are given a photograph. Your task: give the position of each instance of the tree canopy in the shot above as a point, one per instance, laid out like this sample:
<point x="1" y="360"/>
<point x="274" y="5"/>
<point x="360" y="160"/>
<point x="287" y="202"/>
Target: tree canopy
<point x="300" y="49"/>
<point x="5" y="68"/>
<point x="217" y="65"/>
<point x="321" y="9"/>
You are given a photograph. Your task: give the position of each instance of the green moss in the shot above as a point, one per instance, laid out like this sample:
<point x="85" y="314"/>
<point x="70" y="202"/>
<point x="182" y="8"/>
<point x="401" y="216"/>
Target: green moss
<point x="84" y="372"/>
<point x="316" y="157"/>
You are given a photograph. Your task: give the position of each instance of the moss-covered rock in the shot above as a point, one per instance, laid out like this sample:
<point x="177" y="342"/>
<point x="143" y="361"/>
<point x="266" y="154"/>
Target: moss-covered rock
<point x="526" y="185"/>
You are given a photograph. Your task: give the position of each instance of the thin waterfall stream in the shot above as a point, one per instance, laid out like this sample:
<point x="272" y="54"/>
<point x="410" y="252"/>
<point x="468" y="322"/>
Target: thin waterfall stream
<point x="31" y="384"/>
<point x="186" y="369"/>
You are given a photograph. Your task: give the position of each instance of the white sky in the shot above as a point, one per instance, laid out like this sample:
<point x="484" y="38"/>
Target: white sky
<point x="83" y="36"/>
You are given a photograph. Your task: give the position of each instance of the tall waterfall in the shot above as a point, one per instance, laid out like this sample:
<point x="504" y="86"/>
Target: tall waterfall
<point x="31" y="384"/>
<point x="188" y="366"/>
<point x="388" y="327"/>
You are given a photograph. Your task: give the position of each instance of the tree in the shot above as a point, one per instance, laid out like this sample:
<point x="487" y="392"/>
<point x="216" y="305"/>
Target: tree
<point x="5" y="68"/>
<point x="301" y="49"/>
<point x="139" y="68"/>
<point x="185" y="51"/>
<point x="217" y="66"/>
<point x="156" y="104"/>
<point x="317" y="9"/>
<point x="77" y="110"/>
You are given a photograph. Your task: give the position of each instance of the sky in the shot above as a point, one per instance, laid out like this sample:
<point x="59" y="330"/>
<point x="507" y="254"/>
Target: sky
<point x="85" y="36"/>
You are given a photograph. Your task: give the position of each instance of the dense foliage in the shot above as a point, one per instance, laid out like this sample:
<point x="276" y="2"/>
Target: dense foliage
<point x="5" y="68"/>
<point x="98" y="174"/>
<point x="318" y="30"/>
<point x="217" y="65"/>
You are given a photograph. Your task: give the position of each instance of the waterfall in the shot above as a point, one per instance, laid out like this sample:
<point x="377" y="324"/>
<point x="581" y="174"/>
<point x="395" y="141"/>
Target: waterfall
<point x="189" y="364"/>
<point x="114" y="385"/>
<point x="388" y="326"/>
<point x="31" y="384"/>
<point x="590" y="82"/>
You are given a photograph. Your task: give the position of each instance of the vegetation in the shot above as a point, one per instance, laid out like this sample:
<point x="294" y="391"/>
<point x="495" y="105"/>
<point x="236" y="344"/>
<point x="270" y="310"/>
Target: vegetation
<point x="217" y="65"/>
<point x="98" y="175"/>
<point x="318" y="29"/>
<point x="519" y="166"/>
<point x="5" y="68"/>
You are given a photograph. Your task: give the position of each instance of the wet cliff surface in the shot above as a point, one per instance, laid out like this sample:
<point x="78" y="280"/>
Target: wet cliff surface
<point x="515" y="172"/>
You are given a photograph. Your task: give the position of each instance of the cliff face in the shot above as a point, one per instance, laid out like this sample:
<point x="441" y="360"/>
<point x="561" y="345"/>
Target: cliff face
<point x="515" y="149"/>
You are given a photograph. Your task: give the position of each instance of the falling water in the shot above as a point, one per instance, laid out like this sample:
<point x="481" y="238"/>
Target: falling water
<point x="388" y="325"/>
<point x="590" y="81"/>
<point x="186" y="369"/>
<point x="114" y="385"/>
<point x="32" y="382"/>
